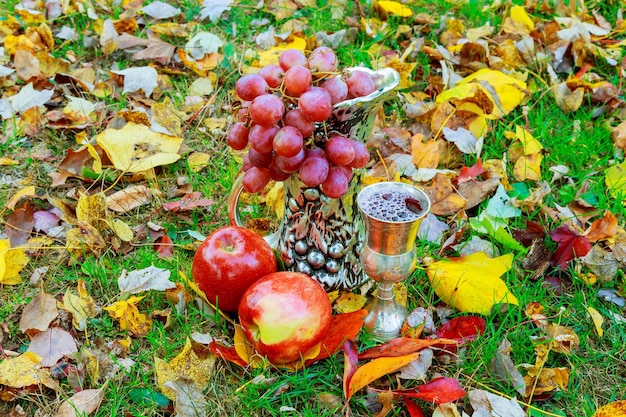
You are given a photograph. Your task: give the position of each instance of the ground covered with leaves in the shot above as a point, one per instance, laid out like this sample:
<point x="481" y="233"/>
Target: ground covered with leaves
<point x="114" y="166"/>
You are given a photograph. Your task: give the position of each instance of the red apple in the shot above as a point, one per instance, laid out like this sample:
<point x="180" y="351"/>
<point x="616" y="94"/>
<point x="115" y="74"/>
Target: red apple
<point x="228" y="261"/>
<point x="285" y="315"/>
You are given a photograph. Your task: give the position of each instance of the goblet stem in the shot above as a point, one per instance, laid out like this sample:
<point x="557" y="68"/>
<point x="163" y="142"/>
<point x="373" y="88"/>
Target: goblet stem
<point x="386" y="316"/>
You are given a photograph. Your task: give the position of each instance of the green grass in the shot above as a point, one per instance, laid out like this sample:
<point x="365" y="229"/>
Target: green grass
<point x="576" y="140"/>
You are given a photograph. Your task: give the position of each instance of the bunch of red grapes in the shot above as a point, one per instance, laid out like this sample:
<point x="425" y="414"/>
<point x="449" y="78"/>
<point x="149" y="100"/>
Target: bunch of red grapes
<point x="281" y="106"/>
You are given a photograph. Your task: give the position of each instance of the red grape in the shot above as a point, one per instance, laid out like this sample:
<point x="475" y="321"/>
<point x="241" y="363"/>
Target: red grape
<point x="337" y="88"/>
<point x="315" y="152"/>
<point x="289" y="164"/>
<point x="261" y="137"/>
<point x="297" y="80"/>
<point x="361" y="155"/>
<point x="313" y="171"/>
<point x="288" y="141"/>
<point x="273" y="75"/>
<point x="267" y="110"/>
<point x="237" y="136"/>
<point x="290" y="58"/>
<point x="255" y="179"/>
<point x="339" y="150"/>
<point x="315" y="105"/>
<point x="321" y="90"/>
<point x="347" y="171"/>
<point x="244" y="111"/>
<point x="336" y="183"/>
<point x="245" y="163"/>
<point x="276" y="173"/>
<point x="250" y="86"/>
<point x="323" y="59"/>
<point x="259" y="159"/>
<point x="296" y="119"/>
<point x="360" y="84"/>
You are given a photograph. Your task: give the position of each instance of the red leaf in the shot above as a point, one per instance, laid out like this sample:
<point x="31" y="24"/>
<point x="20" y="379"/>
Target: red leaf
<point x="344" y="327"/>
<point x="413" y="409"/>
<point x="188" y="202"/>
<point x="350" y="364"/>
<point x="533" y="231"/>
<point x="469" y="173"/>
<point x="439" y="390"/>
<point x="402" y="346"/>
<point x="227" y="352"/>
<point x="463" y="329"/>
<point x="164" y="247"/>
<point x="570" y="245"/>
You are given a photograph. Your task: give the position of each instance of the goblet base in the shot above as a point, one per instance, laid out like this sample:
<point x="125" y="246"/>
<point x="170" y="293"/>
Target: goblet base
<point x="386" y="316"/>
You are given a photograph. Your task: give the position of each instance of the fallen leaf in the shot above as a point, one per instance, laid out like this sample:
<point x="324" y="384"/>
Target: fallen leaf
<point x="547" y="380"/>
<point x="270" y="56"/>
<point x="439" y="390"/>
<point x="597" y="320"/>
<point x="25" y="371"/>
<point x="190" y="400"/>
<point x="81" y="404"/>
<point x="186" y="365"/>
<point x="618" y="134"/>
<point x="470" y="173"/>
<point x="402" y="346"/>
<point x="564" y="339"/>
<point x="343" y="327"/>
<point x="12" y="261"/>
<point x="130" y="198"/>
<point x="472" y="283"/>
<point x="395" y="8"/>
<point x="350" y="366"/>
<point x="462" y="329"/>
<point x="188" y="202"/>
<point x="84" y="238"/>
<point x="615" y="180"/>
<point x="139" y="78"/>
<point x="82" y="306"/>
<point x="348" y="302"/>
<point x="213" y="9"/>
<point x="487" y="404"/>
<point x="602" y="263"/>
<point x="443" y="198"/>
<point x="375" y="369"/>
<point x="419" y="367"/>
<point x="150" y="278"/>
<point x="505" y="370"/>
<point x="28" y="191"/>
<point x="52" y="344"/>
<point x="464" y="140"/>
<point x="135" y="148"/>
<point x="602" y="229"/>
<point x="39" y="313"/>
<point x="570" y="245"/>
<point x="129" y="317"/>
<point x="615" y="409"/>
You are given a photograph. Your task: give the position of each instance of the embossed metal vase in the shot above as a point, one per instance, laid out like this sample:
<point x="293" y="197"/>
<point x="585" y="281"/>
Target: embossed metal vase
<point x="318" y="235"/>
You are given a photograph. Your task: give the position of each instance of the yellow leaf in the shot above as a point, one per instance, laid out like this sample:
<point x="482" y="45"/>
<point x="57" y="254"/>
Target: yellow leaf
<point x="84" y="238"/>
<point x="530" y="144"/>
<point x="597" y="319"/>
<point x="393" y="7"/>
<point x="271" y="55"/>
<point x="198" y="161"/>
<point x="92" y="209"/>
<point x="81" y="306"/>
<point x="187" y="365"/>
<point x="566" y="99"/>
<point x="136" y="148"/>
<point x="121" y="229"/>
<point x="12" y="261"/>
<point x="616" y="409"/>
<point x="528" y="167"/>
<point x="349" y="302"/>
<point x="25" y="371"/>
<point x="129" y="317"/>
<point x="275" y="199"/>
<point x="547" y="380"/>
<point x="4" y="161"/>
<point x="377" y="368"/>
<point x="24" y="192"/>
<point x="97" y="162"/>
<point x="519" y="15"/>
<point x="615" y="179"/>
<point x="424" y="154"/>
<point x="472" y="283"/>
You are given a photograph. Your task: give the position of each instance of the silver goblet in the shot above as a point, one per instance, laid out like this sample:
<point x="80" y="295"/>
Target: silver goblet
<point x="392" y="213"/>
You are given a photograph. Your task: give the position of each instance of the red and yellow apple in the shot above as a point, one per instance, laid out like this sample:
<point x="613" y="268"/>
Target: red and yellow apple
<point x="228" y="261"/>
<point x="285" y="316"/>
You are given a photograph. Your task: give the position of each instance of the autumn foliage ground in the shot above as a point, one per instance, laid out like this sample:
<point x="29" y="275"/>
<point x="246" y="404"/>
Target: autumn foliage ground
<point x="114" y="166"/>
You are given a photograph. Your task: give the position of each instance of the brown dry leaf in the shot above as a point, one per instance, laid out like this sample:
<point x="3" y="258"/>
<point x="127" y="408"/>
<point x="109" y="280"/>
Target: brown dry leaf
<point x="564" y="339"/>
<point x="443" y="197"/>
<point x="386" y="399"/>
<point x="81" y="404"/>
<point x="71" y="166"/>
<point x="12" y="261"/>
<point x="39" y="313"/>
<point x="130" y="198"/>
<point x="475" y="192"/>
<point x="52" y="344"/>
<point x="503" y="367"/>
<point x="25" y="371"/>
<point x="190" y="400"/>
<point x="187" y="365"/>
<point x="20" y="224"/>
<point x="281" y="9"/>
<point x="602" y="263"/>
<point x="81" y="306"/>
<point x="129" y="317"/>
<point x="425" y="154"/>
<point x="567" y="100"/>
<point x="619" y="135"/>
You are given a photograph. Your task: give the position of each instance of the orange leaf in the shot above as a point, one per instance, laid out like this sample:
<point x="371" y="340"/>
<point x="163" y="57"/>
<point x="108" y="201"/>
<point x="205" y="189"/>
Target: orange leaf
<point x="603" y="228"/>
<point x="376" y="368"/>
<point x="424" y="154"/>
<point x="402" y="346"/>
<point x="344" y="327"/>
